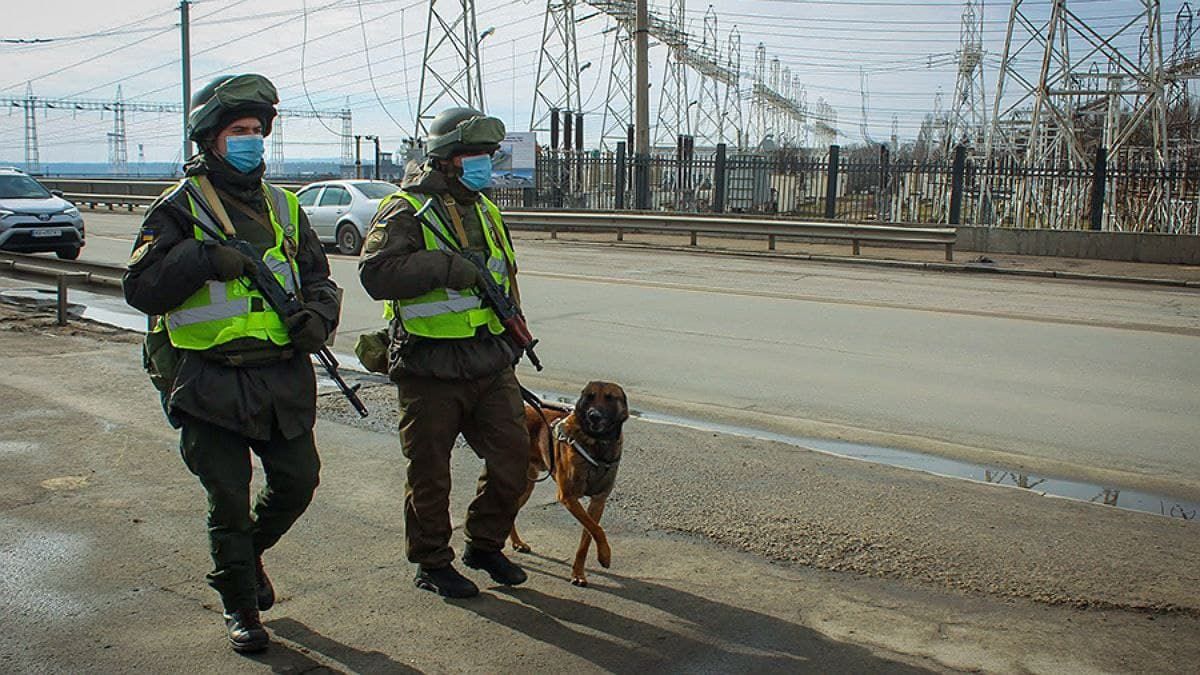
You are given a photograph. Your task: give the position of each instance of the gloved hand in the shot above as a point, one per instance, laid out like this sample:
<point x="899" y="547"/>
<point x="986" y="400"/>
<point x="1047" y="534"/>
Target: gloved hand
<point x="307" y="330"/>
<point x="461" y="274"/>
<point x="230" y="263"/>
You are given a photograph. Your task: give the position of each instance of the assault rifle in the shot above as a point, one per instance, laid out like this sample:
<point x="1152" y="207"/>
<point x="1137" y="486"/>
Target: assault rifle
<point x="492" y="294"/>
<point x="284" y="303"/>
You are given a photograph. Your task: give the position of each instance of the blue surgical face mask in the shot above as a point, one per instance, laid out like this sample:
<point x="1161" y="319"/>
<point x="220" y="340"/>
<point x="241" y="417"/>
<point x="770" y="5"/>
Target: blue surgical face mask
<point x="244" y="153"/>
<point x="476" y="172"/>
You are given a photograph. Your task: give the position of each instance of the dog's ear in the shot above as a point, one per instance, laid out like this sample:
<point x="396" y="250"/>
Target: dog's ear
<point x="624" y="404"/>
<point x="583" y="397"/>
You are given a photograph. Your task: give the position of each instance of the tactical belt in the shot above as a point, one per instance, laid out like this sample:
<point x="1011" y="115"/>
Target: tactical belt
<point x="249" y="358"/>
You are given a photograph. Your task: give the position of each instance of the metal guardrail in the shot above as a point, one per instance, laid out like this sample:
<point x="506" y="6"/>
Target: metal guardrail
<point x="90" y="273"/>
<point x="695" y="225"/>
<point x="66" y="273"/>
<point x="131" y="193"/>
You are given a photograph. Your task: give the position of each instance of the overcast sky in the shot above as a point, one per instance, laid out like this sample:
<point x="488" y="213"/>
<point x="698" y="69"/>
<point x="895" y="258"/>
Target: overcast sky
<point x="903" y="48"/>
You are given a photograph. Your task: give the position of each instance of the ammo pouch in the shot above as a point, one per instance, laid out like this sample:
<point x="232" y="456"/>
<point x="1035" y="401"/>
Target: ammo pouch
<point x="372" y="350"/>
<point x="160" y="358"/>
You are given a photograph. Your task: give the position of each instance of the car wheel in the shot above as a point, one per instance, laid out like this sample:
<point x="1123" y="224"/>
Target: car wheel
<point x="349" y="241"/>
<point x="68" y="253"/>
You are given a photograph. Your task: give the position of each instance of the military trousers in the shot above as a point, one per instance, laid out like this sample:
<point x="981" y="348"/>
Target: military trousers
<point x="490" y="415"/>
<point x="237" y="533"/>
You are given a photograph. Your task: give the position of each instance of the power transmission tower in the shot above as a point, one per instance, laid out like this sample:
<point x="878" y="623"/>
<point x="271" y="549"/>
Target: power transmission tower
<point x="1183" y="64"/>
<point x="33" y="163"/>
<point x="1058" y="104"/>
<point x="968" y="116"/>
<point x="557" y="83"/>
<point x="118" y="158"/>
<point x="710" y="114"/>
<point x="763" y="119"/>
<point x="277" y="147"/>
<point x="619" y="97"/>
<point x="347" y="141"/>
<point x="864" y="93"/>
<point x="673" y="103"/>
<point x="771" y="108"/>
<point x="450" y="74"/>
<point x="618" y="101"/>
<point x="825" y="124"/>
<point x="117" y="151"/>
<point x="734" y="126"/>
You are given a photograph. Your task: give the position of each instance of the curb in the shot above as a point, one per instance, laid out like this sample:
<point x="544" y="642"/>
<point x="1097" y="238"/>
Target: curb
<point x="981" y="268"/>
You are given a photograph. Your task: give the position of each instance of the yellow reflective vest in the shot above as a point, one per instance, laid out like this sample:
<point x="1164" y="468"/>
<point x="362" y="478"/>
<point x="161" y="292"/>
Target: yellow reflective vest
<point x="224" y="311"/>
<point x="445" y="312"/>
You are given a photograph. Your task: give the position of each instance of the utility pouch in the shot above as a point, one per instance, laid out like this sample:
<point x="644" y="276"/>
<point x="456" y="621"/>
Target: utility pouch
<point x="372" y="350"/>
<point x="160" y="358"/>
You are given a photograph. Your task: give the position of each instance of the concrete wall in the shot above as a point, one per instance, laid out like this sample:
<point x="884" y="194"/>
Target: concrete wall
<point x="1130" y="246"/>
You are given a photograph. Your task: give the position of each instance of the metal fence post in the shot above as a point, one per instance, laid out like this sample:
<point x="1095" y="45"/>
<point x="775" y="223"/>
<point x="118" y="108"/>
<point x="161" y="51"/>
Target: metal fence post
<point x="1098" y="175"/>
<point x="718" y="188"/>
<point x="956" y="184"/>
<point x="619" y="175"/>
<point x="881" y="198"/>
<point x="831" y="179"/>
<point x="641" y="182"/>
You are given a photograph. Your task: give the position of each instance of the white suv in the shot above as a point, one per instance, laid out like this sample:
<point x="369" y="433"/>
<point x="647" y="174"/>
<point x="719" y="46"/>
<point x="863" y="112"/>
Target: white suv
<point x="34" y="219"/>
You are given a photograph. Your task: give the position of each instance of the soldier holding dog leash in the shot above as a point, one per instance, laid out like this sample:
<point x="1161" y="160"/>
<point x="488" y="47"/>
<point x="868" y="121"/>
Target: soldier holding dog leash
<point x="448" y="353"/>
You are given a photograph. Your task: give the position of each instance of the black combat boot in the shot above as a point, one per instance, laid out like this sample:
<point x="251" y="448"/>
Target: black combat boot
<point x="264" y="591"/>
<point x="246" y="632"/>
<point x="503" y="570"/>
<point x="445" y="581"/>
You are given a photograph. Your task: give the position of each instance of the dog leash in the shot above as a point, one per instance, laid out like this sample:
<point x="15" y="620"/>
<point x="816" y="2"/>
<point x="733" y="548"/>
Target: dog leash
<point x="538" y="404"/>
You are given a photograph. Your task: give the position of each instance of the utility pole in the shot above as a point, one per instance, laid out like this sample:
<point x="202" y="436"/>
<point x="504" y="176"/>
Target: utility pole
<point x="185" y="57"/>
<point x="641" y="48"/>
<point x="377" y="155"/>
<point x="358" y="156"/>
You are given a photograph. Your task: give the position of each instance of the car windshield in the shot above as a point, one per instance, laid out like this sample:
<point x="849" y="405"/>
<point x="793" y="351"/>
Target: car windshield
<point x="21" y="187"/>
<point x="376" y="190"/>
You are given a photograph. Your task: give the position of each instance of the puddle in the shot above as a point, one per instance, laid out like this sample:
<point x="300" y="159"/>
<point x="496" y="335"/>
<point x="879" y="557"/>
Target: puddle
<point x="81" y="304"/>
<point x="113" y="311"/>
<point x="941" y="466"/>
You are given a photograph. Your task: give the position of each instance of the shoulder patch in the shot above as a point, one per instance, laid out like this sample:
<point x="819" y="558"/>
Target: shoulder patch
<point x="139" y="253"/>
<point x="375" y="240"/>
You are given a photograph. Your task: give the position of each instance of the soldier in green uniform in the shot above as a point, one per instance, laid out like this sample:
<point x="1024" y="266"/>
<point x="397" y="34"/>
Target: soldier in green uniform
<point x="235" y="376"/>
<point x="453" y="366"/>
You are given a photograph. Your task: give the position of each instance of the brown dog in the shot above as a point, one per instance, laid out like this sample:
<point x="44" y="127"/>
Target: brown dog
<point x="580" y="449"/>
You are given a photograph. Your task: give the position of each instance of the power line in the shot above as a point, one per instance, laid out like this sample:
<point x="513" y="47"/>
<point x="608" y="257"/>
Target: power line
<point x="362" y="24"/>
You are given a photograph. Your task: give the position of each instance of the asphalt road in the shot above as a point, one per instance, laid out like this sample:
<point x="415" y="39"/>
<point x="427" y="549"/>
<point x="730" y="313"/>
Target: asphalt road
<point x="1076" y="379"/>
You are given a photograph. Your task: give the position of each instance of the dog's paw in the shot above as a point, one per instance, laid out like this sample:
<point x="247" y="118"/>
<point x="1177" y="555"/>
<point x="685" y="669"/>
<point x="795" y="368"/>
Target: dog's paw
<point x="580" y="581"/>
<point x="522" y="548"/>
<point x="603" y="554"/>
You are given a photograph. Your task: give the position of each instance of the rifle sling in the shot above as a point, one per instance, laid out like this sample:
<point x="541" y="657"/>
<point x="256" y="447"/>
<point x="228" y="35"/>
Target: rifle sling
<point x="210" y="196"/>
<point x="458" y="224"/>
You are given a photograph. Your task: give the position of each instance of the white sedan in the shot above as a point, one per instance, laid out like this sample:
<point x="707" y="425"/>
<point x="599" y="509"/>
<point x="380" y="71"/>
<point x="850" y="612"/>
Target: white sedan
<point x="340" y="211"/>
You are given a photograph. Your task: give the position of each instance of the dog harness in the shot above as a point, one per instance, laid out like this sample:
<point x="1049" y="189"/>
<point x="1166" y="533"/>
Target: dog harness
<point x="602" y="475"/>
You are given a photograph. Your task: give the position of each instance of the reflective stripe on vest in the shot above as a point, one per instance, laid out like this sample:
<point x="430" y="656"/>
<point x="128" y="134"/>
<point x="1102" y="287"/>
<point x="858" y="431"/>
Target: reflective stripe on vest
<point x="444" y="312"/>
<point x="220" y="312"/>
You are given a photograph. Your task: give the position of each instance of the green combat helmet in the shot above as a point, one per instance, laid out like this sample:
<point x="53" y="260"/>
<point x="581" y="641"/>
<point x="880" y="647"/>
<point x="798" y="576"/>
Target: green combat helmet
<point x="228" y="98"/>
<point x="463" y="131"/>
